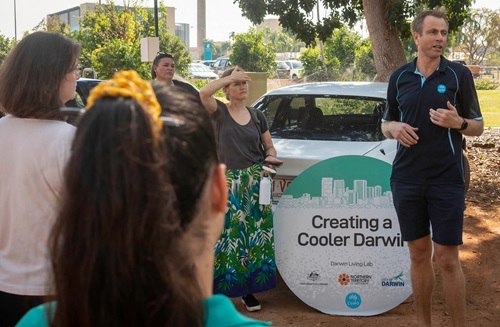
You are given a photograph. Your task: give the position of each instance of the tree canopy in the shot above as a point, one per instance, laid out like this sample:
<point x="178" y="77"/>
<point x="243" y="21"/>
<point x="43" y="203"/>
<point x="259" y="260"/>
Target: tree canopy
<point x="251" y="53"/>
<point x="388" y="21"/>
<point x="479" y="35"/>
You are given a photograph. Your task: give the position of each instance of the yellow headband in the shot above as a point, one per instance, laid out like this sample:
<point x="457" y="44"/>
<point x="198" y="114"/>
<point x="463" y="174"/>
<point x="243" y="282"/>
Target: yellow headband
<point x="128" y="84"/>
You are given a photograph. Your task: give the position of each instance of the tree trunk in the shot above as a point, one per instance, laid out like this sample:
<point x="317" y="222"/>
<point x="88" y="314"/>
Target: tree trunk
<point x="386" y="45"/>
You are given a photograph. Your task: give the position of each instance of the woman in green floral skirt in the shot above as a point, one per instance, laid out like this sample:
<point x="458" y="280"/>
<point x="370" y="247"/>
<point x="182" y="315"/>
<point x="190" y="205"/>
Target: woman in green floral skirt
<point x="244" y="254"/>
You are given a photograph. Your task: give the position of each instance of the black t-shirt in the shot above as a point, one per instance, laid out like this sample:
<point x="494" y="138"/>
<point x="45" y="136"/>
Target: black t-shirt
<point x="237" y="145"/>
<point x="437" y="157"/>
<point x="187" y="87"/>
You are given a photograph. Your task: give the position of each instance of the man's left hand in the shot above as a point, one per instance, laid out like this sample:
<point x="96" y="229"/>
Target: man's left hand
<point x="447" y="118"/>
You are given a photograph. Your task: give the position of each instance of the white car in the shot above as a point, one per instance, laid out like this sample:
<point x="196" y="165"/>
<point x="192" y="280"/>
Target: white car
<point x="200" y="71"/>
<point x="312" y="122"/>
<point x="296" y="68"/>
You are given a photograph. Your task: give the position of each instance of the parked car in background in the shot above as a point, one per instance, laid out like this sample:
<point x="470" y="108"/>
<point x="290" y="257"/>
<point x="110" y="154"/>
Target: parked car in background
<point x="200" y="71"/>
<point x="282" y="70"/>
<point x="208" y="63"/>
<point x="296" y="68"/>
<point x="221" y="64"/>
<point x="83" y="87"/>
<point x="311" y="122"/>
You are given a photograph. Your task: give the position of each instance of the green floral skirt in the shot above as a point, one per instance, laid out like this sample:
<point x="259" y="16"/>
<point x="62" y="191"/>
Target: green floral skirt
<point x="244" y="254"/>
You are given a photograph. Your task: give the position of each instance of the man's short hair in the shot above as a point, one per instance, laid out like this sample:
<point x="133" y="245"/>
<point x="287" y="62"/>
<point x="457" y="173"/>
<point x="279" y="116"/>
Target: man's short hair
<point x="418" y="22"/>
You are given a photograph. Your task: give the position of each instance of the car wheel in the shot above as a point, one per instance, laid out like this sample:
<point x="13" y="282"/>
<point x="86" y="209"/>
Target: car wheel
<point x="294" y="77"/>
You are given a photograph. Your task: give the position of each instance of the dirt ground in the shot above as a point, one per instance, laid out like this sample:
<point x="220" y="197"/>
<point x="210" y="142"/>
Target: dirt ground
<point x="480" y="256"/>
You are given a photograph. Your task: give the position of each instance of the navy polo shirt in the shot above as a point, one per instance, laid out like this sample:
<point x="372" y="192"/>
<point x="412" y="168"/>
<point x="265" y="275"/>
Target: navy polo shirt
<point x="437" y="157"/>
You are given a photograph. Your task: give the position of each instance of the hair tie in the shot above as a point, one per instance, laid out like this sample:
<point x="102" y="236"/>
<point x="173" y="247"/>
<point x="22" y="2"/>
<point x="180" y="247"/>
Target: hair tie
<point x="129" y="84"/>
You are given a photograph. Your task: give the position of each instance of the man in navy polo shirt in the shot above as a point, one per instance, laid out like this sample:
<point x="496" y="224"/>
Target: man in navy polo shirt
<point x="431" y="104"/>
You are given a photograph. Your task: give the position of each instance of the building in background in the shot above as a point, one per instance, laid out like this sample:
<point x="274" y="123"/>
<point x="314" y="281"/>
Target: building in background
<point x="182" y="31"/>
<point x="72" y="16"/>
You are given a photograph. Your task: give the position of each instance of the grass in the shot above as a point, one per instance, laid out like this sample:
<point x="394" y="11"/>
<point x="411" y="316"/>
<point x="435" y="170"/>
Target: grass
<point x="489" y="101"/>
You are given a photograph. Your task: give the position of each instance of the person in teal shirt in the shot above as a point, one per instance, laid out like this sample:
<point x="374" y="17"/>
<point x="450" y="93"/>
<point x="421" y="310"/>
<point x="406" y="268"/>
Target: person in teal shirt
<point x="144" y="205"/>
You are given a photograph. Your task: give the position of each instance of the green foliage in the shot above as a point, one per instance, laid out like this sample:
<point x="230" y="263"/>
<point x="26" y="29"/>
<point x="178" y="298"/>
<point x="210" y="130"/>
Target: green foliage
<point x="199" y="83"/>
<point x="251" y="53"/>
<point x="311" y="59"/>
<point x="282" y="42"/>
<point x="300" y="16"/>
<point x="486" y="85"/>
<point x="342" y="46"/>
<point x="364" y="62"/>
<point x="6" y="44"/>
<point x="480" y="33"/>
<point x="110" y="39"/>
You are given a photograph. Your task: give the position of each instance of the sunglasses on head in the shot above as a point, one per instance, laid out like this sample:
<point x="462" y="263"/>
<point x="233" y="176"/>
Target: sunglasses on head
<point x="161" y="55"/>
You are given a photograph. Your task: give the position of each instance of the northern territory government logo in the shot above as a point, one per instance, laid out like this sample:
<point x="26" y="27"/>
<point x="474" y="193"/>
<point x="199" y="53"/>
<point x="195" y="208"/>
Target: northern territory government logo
<point x="345" y="279"/>
<point x="396" y="281"/>
<point x="353" y="300"/>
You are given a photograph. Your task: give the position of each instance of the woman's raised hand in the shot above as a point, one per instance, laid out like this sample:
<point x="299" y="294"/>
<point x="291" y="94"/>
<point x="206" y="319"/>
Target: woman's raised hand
<point x="238" y="75"/>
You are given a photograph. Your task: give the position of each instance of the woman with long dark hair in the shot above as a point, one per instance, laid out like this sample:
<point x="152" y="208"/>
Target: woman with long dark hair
<point x="144" y="204"/>
<point x="37" y="77"/>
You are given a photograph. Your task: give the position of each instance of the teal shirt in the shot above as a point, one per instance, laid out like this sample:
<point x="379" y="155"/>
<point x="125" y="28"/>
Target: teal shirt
<point x="221" y="313"/>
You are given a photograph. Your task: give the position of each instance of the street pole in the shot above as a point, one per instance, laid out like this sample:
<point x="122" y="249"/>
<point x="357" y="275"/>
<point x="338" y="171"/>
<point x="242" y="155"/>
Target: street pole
<point x="15" y="21"/>
<point x="156" y="18"/>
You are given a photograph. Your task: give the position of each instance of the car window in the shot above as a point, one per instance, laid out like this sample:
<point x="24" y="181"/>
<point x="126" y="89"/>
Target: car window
<point x="317" y="117"/>
<point x="282" y="65"/>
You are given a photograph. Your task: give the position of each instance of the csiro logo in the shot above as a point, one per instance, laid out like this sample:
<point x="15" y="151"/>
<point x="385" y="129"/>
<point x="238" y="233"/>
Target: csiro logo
<point x="353" y="300"/>
<point x="441" y="88"/>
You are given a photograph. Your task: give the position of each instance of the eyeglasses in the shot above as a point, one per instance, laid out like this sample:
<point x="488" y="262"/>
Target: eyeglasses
<point x="77" y="112"/>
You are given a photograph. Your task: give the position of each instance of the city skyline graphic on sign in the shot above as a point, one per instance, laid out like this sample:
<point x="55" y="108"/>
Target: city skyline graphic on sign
<point x="335" y="193"/>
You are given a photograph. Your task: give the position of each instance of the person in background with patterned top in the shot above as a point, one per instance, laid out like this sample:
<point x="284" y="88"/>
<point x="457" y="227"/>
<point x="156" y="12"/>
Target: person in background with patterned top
<point x="431" y="104"/>
<point x="144" y="204"/>
<point x="244" y="255"/>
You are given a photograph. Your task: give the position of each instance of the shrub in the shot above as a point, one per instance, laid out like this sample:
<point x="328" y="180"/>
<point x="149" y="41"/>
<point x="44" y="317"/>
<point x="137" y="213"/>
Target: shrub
<point x="487" y="85"/>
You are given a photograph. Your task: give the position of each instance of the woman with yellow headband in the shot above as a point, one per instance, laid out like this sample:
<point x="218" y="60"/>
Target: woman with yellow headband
<point x="144" y="204"/>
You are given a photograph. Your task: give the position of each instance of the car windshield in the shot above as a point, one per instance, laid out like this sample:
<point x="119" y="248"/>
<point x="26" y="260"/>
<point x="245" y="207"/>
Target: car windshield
<point x="296" y="64"/>
<point x="321" y="117"/>
<point x="198" y="68"/>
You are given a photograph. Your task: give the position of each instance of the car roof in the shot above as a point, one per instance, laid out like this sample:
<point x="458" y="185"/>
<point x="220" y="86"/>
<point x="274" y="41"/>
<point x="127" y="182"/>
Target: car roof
<point x="362" y="89"/>
<point x="83" y="79"/>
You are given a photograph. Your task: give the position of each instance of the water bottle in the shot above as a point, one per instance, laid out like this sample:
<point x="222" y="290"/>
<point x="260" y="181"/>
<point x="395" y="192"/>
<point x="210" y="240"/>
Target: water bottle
<point x="265" y="190"/>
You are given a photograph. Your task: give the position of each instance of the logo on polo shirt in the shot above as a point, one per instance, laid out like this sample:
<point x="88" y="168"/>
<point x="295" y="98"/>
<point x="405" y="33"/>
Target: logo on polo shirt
<point x="441" y="88"/>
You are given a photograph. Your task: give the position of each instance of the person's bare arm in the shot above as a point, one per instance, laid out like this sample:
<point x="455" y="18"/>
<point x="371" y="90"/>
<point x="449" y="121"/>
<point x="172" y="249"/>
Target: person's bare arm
<point x="207" y="92"/>
<point x="271" y="155"/>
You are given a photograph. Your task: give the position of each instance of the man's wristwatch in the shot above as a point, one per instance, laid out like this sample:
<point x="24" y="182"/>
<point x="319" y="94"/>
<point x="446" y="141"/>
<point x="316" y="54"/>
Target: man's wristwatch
<point x="464" y="126"/>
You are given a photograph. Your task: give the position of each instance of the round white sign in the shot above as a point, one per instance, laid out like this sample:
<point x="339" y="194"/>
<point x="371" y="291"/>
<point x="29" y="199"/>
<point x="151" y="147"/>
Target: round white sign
<point x="337" y="238"/>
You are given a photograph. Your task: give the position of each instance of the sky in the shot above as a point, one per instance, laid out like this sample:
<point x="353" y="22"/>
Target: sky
<point x="223" y="17"/>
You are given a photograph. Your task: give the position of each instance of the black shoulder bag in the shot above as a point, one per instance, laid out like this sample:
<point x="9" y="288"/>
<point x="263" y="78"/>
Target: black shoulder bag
<point x="256" y="121"/>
